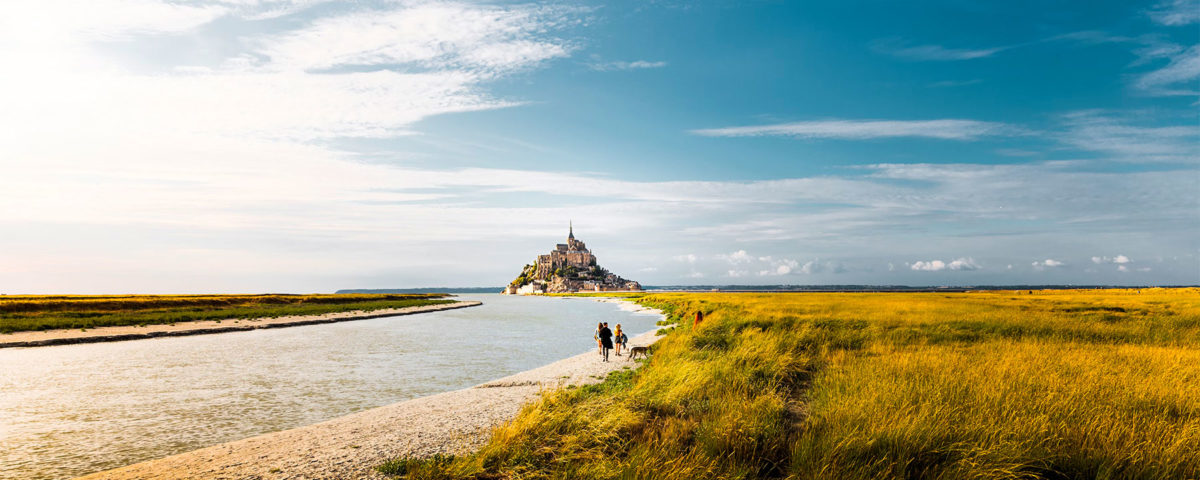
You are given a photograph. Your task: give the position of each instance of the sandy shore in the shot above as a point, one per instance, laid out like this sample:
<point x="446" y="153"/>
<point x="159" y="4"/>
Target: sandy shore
<point x="352" y="446"/>
<point x="115" y="334"/>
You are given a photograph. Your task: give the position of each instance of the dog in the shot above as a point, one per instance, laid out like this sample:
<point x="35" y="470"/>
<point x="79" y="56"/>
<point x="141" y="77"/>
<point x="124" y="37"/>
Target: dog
<point x="633" y="352"/>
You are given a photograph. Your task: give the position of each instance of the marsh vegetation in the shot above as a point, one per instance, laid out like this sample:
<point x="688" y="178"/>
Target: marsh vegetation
<point x="1053" y="384"/>
<point x="44" y="312"/>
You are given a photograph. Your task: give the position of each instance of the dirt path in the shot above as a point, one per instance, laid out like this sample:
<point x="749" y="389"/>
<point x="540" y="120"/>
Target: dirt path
<point x="116" y="334"/>
<point x="351" y="447"/>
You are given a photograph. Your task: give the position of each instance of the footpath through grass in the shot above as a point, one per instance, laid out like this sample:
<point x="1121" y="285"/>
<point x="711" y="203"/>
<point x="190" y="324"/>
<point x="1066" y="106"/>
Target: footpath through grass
<point x="45" y="312"/>
<point x="1054" y="384"/>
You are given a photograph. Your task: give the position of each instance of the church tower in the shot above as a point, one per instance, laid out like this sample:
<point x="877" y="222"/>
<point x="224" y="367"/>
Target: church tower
<point x="571" y="230"/>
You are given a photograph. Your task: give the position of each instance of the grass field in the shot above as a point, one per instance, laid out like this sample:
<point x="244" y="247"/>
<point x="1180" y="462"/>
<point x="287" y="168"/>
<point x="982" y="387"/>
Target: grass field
<point x="22" y="313"/>
<point x="1054" y="384"/>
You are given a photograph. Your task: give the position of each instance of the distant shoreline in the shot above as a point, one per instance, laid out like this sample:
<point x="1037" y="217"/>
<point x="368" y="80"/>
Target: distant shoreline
<point x="787" y="288"/>
<point x="45" y="338"/>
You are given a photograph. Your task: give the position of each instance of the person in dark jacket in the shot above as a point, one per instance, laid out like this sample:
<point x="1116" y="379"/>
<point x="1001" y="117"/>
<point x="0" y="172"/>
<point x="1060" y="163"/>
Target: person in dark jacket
<point x="606" y="342"/>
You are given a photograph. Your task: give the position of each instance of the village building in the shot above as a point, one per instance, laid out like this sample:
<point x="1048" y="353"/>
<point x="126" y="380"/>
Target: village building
<point x="570" y="267"/>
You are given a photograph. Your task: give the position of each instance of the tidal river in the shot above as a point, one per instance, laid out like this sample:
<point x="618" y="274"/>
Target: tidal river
<point x="75" y="409"/>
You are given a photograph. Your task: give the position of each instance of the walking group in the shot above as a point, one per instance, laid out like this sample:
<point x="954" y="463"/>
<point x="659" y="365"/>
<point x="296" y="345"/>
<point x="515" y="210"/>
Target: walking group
<point x="605" y="339"/>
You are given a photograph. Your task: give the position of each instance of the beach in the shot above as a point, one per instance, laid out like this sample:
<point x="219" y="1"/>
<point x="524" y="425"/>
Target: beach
<point x="42" y="338"/>
<point x="353" y="445"/>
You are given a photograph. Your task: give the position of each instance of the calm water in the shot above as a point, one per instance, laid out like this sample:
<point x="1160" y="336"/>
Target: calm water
<point x="76" y="409"/>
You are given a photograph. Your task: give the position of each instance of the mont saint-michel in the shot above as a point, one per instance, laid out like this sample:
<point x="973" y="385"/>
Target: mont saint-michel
<point x="570" y="267"/>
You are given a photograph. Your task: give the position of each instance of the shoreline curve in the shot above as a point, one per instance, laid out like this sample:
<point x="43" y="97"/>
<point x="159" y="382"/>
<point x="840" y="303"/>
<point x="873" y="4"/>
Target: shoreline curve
<point x="46" y="338"/>
<point x="352" y="446"/>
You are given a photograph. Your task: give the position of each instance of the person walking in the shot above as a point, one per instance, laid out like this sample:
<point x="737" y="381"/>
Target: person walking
<point x="596" y="337"/>
<point x="606" y="342"/>
<point x="619" y="339"/>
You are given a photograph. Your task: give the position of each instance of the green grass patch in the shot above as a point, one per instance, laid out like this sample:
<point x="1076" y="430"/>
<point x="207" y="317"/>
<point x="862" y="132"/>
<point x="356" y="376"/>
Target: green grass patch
<point x="24" y="313"/>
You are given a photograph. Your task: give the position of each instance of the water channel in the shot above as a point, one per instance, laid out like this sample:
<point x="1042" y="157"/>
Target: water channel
<point x="75" y="409"/>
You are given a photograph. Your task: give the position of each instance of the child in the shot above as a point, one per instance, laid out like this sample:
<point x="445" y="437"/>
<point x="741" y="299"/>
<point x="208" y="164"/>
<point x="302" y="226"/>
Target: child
<point x="619" y="338"/>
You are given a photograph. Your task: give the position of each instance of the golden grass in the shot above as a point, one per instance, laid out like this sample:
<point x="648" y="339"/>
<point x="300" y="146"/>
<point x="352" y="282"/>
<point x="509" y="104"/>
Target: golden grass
<point x="1054" y="384"/>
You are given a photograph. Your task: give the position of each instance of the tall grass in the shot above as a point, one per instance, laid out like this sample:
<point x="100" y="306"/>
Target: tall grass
<point x="22" y="313"/>
<point x="1061" y="384"/>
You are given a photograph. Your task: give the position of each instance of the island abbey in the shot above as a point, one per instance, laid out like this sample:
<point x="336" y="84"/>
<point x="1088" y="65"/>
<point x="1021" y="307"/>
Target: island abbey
<point x="570" y="267"/>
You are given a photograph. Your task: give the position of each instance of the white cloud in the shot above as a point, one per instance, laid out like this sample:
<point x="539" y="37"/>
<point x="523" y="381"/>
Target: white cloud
<point x="430" y="58"/>
<point x="621" y="65"/>
<point x="1183" y="67"/>
<point x="1048" y="263"/>
<point x="689" y="258"/>
<point x="738" y="273"/>
<point x="901" y="49"/>
<point x="479" y="38"/>
<point x="931" y="266"/>
<point x="65" y="20"/>
<point x="1176" y="12"/>
<point x="946" y="129"/>
<point x="963" y="264"/>
<point x="1123" y="139"/>
<point x="737" y="257"/>
<point x="1117" y="259"/>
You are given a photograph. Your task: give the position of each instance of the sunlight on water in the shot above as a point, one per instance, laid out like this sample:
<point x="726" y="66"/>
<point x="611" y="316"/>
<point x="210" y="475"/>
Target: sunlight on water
<point x="76" y="409"/>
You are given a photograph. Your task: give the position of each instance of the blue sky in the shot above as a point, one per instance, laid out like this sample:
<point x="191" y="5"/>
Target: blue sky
<point x="306" y="145"/>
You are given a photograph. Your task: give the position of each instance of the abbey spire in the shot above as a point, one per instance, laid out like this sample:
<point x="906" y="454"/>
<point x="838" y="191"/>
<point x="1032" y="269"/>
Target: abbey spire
<point x="570" y="267"/>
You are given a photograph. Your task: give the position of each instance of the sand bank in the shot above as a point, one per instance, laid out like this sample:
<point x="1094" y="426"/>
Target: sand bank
<point x="352" y="446"/>
<point x="115" y="334"/>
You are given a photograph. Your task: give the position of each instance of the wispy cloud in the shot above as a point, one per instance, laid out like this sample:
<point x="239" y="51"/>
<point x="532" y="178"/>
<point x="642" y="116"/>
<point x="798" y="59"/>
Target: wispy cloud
<point x="483" y="39"/>
<point x="421" y="59"/>
<point x="1176" y="12"/>
<point x="1183" y="63"/>
<point x="955" y="83"/>
<point x="1183" y="67"/>
<point x="623" y="65"/>
<point x="65" y="20"/>
<point x="946" y="129"/>
<point x="904" y="50"/>
<point x="1124" y="139"/>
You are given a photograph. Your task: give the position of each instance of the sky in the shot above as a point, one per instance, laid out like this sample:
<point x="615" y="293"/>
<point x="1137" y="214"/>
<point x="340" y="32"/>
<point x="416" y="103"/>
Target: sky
<point x="152" y="146"/>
